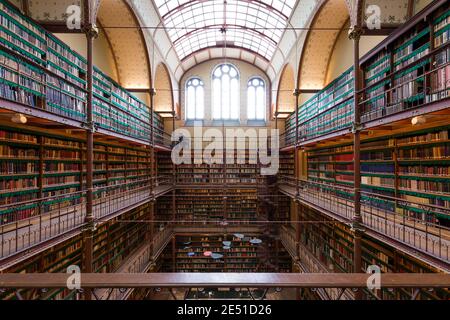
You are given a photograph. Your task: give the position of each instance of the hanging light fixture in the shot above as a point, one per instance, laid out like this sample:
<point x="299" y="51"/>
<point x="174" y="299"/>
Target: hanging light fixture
<point x="418" y="120"/>
<point x="19" y="118"/>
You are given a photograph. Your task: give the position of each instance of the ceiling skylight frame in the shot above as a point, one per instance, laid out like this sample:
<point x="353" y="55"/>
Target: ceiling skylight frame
<point x="254" y="25"/>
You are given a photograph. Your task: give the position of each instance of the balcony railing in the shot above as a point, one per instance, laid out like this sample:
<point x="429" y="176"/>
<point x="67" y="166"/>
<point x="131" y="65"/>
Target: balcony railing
<point x="379" y="214"/>
<point x="381" y="99"/>
<point x="65" y="213"/>
<point x="139" y="262"/>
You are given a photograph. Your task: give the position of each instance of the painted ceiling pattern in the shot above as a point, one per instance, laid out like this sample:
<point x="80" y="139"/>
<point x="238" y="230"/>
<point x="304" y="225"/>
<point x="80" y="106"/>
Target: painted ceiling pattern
<point x="319" y="44"/>
<point x="256" y="26"/>
<point x="50" y="10"/>
<point x="286" y="98"/>
<point x="163" y="87"/>
<point x="129" y="49"/>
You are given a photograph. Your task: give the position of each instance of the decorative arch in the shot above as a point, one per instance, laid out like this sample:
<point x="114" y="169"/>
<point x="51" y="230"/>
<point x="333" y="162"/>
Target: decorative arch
<point x="127" y="43"/>
<point x="320" y="41"/>
<point x="285" y="94"/>
<point x="164" y="92"/>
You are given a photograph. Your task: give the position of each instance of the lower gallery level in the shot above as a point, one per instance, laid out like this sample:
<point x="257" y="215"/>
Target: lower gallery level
<point x="284" y="151"/>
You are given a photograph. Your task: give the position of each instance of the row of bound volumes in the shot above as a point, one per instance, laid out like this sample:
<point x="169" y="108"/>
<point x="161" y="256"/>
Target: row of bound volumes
<point x="437" y="152"/>
<point x="66" y="98"/>
<point x="411" y="87"/>
<point x="428" y="186"/>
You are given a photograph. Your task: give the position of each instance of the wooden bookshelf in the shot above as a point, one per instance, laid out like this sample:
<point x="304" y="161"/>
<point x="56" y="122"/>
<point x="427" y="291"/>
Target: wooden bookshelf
<point x="41" y="165"/>
<point x="242" y="256"/>
<point x="39" y="70"/>
<point x="332" y="244"/>
<point x="410" y="71"/>
<point x="114" y="241"/>
<point x="411" y="166"/>
<point x="287" y="165"/>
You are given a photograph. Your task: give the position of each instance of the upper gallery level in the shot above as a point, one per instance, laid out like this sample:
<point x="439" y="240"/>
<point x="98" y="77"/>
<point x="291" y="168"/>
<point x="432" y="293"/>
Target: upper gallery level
<point x="42" y="76"/>
<point x="405" y="76"/>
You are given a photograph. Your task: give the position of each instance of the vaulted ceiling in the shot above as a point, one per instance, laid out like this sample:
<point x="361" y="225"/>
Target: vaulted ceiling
<point x="188" y="32"/>
<point x="194" y="25"/>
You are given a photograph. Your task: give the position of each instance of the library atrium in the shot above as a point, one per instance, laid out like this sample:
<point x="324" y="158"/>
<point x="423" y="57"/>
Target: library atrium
<point x="224" y="149"/>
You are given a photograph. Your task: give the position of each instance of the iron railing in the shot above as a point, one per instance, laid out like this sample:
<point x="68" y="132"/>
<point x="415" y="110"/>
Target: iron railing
<point x="380" y="214"/>
<point x="65" y="213"/>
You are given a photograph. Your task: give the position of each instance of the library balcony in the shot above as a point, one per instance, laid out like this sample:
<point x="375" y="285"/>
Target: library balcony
<point x="59" y="217"/>
<point x="265" y="281"/>
<point x="385" y="218"/>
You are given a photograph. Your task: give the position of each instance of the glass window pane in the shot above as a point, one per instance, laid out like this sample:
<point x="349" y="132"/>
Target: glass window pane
<point x="200" y="103"/>
<point x="207" y="17"/>
<point x="251" y="102"/>
<point x="225" y="96"/>
<point x="260" y="103"/>
<point x="190" y="103"/>
<point x="235" y="99"/>
<point x="217" y="99"/>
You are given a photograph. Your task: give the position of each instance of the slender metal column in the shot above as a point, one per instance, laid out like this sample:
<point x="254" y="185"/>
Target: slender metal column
<point x="152" y="141"/>
<point x="296" y="166"/>
<point x="355" y="35"/>
<point x="88" y="232"/>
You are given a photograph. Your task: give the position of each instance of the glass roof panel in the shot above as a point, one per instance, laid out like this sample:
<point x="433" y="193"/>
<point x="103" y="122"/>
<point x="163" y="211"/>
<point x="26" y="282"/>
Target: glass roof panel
<point x="255" y="25"/>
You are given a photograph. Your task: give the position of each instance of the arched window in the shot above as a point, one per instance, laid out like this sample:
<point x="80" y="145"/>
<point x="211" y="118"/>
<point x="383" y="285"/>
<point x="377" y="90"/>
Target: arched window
<point x="195" y="104"/>
<point x="256" y="99"/>
<point x="225" y="80"/>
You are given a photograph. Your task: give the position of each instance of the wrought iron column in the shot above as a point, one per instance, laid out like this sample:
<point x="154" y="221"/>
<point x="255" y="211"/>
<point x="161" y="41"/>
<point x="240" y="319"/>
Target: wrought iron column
<point x="91" y="32"/>
<point x="152" y="141"/>
<point x="355" y="34"/>
<point x="296" y="166"/>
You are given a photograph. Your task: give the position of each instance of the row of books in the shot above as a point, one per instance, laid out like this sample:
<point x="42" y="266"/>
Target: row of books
<point x="378" y="69"/>
<point x="19" y="18"/>
<point x="17" y="136"/>
<point x="383" y="98"/>
<point x="62" y="96"/>
<point x="7" y="151"/>
<point x="14" y="37"/>
<point x="378" y="181"/>
<point x="9" y="167"/>
<point x="24" y="183"/>
<point x="425" y="186"/>
<point x="440" y="77"/>
<point x="65" y="56"/>
<point x="20" y="95"/>
<point x="339" y="117"/>
<point x="423" y="153"/>
<point x="13" y="64"/>
<point x="425" y="170"/>
<point x="410" y="42"/>
<point x="434" y="136"/>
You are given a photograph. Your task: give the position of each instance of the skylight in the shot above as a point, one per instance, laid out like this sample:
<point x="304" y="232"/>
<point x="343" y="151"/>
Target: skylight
<point x="255" y="25"/>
